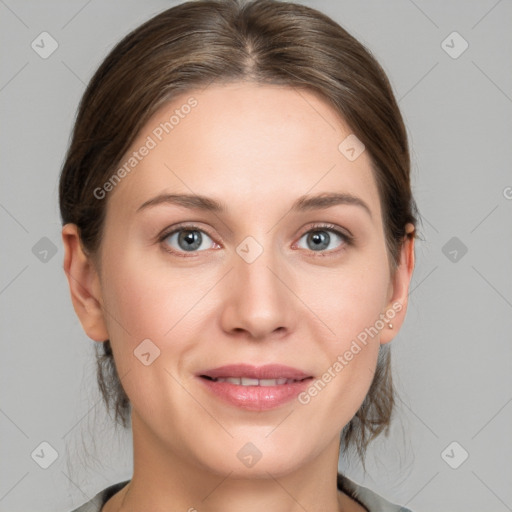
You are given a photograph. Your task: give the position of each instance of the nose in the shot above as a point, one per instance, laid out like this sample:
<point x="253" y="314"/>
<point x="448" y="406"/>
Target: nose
<point x="258" y="300"/>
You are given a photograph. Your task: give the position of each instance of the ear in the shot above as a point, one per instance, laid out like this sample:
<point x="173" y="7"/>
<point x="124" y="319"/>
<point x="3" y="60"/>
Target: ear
<point x="84" y="285"/>
<point x="399" y="289"/>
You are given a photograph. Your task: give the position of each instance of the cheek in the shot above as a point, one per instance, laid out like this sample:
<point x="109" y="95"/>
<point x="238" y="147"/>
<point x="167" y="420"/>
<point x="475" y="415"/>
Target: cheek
<point x="148" y="298"/>
<point x="349" y="361"/>
<point x="349" y="301"/>
<point x="144" y="302"/>
<point x="350" y="306"/>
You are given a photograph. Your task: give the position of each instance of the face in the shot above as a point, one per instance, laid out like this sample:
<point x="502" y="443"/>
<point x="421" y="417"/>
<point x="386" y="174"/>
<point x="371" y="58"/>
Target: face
<point x="269" y="278"/>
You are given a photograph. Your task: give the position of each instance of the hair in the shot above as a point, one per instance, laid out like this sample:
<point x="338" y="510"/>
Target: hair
<point x="265" y="41"/>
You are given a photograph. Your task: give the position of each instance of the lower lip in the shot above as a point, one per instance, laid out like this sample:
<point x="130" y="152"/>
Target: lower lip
<point x="256" y="398"/>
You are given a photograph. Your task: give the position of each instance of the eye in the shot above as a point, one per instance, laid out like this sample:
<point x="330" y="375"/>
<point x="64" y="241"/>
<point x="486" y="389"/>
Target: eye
<point x="191" y="239"/>
<point x="186" y="239"/>
<point x="324" y="236"/>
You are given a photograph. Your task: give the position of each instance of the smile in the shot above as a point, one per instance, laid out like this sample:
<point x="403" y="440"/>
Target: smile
<point x="254" y="388"/>
<point x="248" y="381"/>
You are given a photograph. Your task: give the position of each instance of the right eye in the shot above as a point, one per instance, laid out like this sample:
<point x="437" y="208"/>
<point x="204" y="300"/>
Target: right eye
<point x="186" y="239"/>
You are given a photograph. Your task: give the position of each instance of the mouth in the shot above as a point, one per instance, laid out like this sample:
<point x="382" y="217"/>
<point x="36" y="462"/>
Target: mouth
<point x="248" y="381"/>
<point x="255" y="388"/>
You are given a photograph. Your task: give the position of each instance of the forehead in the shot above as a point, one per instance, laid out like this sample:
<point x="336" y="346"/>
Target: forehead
<point x="247" y="144"/>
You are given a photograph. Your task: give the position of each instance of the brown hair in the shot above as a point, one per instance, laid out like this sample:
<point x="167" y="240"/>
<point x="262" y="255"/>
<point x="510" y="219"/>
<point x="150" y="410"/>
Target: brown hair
<point x="264" y="41"/>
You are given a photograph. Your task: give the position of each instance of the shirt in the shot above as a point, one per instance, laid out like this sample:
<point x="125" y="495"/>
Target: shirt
<point x="364" y="496"/>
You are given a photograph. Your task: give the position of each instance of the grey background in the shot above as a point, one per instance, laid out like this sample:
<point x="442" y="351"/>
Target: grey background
<point x="452" y="359"/>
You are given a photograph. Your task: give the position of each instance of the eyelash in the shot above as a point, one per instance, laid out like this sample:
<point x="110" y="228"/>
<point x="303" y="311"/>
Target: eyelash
<point x="347" y="239"/>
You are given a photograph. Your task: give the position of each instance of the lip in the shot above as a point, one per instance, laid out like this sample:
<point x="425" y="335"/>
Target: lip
<point x="268" y="371"/>
<point x="255" y="398"/>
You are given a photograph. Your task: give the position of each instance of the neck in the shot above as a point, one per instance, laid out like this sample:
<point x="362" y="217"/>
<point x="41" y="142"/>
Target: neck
<point x="163" y="477"/>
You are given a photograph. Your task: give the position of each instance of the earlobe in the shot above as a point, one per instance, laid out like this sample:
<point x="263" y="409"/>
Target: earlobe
<point x="397" y="305"/>
<point x="84" y="285"/>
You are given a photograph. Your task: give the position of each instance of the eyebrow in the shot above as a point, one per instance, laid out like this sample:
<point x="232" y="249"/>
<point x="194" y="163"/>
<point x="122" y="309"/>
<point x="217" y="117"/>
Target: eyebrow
<point x="303" y="203"/>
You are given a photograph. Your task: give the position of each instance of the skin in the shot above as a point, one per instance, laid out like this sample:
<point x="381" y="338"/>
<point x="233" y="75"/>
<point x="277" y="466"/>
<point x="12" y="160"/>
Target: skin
<point x="257" y="149"/>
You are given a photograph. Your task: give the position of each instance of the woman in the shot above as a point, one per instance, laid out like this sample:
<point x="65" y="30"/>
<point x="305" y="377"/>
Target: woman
<point x="239" y="240"/>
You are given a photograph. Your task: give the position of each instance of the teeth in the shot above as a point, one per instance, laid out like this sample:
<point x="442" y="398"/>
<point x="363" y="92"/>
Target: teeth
<point x="247" y="381"/>
<point x="270" y="382"/>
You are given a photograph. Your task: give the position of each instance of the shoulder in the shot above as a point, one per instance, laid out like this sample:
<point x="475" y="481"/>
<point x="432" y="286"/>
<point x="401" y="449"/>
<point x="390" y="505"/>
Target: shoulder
<point x="366" y="497"/>
<point x="101" y="498"/>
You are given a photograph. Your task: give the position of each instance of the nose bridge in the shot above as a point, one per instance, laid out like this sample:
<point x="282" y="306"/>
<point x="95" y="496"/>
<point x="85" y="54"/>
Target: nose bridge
<point x="253" y="266"/>
<point x="259" y="301"/>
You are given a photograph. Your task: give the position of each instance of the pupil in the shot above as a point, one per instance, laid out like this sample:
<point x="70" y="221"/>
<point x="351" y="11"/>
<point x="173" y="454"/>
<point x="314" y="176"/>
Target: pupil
<point x="192" y="238"/>
<point x="320" y="240"/>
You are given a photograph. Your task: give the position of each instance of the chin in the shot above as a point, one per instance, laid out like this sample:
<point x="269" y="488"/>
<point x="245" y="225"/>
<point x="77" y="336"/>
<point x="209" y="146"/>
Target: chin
<point x="247" y="459"/>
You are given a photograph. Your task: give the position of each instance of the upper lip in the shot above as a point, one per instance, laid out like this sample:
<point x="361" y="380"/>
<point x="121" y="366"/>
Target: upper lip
<point x="268" y="371"/>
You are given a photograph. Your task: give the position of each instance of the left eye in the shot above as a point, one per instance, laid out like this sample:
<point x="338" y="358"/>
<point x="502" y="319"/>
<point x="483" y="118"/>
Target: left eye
<point x="318" y="239"/>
